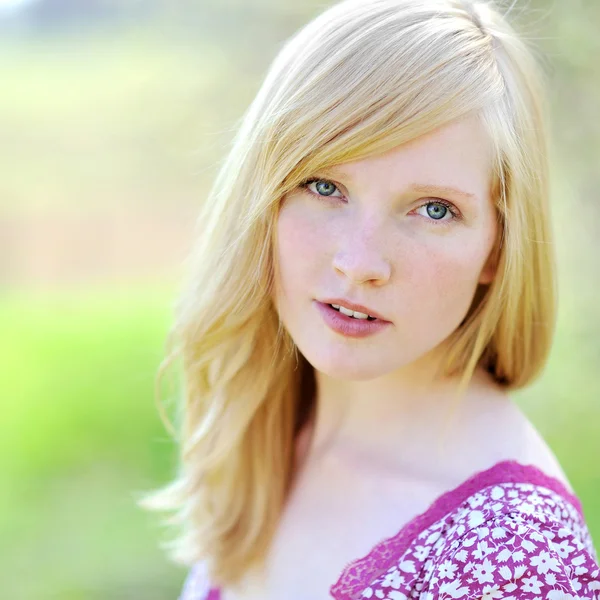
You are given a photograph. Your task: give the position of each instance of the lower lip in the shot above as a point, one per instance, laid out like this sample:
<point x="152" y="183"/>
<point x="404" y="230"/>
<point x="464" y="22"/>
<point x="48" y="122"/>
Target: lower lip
<point x="349" y="326"/>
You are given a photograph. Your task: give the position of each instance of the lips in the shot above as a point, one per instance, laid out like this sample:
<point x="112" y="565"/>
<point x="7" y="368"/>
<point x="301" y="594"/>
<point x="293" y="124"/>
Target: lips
<point x="354" y="306"/>
<point x="349" y="327"/>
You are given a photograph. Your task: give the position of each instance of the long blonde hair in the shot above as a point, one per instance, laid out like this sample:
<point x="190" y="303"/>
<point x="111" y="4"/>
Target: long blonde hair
<point x="362" y="78"/>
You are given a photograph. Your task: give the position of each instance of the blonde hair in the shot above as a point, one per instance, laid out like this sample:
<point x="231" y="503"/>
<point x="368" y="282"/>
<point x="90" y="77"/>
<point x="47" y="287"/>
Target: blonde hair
<point x="362" y="78"/>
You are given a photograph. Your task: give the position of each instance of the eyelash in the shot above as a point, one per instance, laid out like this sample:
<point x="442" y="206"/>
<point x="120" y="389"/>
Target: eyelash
<point x="456" y="216"/>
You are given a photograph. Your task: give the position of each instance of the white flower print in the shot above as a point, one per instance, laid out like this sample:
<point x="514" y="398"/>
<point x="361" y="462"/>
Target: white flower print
<point x="421" y="552"/>
<point x="484" y="571"/>
<point x="563" y="549"/>
<point x="527" y="509"/>
<point x="559" y="595"/>
<point x="491" y="592"/>
<point x="578" y="560"/>
<point x="499" y="532"/>
<point x="433" y="537"/>
<point x="536" y="499"/>
<point x="504" y="555"/>
<point x="477" y="500"/>
<point x="476" y="518"/>
<point x="461" y="555"/>
<point x="543" y="518"/>
<point x="521" y="526"/>
<point x="393" y="579"/>
<point x="446" y="570"/>
<point x="497" y="492"/>
<point x="519" y="570"/>
<point x="482" y="550"/>
<point x="408" y="566"/>
<point x="453" y="590"/>
<point x="531" y="584"/>
<point x="550" y="578"/>
<point x="518" y="556"/>
<point x="544" y="562"/>
<point x="397" y="596"/>
<point x="564" y="532"/>
<point x="538" y="537"/>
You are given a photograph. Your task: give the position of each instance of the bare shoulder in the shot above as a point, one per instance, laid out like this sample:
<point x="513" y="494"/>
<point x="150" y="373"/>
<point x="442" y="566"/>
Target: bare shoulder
<point x="501" y="430"/>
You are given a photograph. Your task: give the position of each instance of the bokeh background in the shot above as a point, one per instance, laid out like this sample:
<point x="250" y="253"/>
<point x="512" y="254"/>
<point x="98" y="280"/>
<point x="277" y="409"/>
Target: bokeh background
<point x="114" y="115"/>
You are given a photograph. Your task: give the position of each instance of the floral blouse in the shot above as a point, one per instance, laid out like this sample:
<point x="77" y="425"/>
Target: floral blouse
<point x="510" y="532"/>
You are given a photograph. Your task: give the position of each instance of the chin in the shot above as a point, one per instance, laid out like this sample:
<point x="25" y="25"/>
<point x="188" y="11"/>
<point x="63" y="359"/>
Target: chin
<point x="345" y="366"/>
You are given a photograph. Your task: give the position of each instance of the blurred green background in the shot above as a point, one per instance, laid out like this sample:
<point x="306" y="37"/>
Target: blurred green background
<point x="113" y="118"/>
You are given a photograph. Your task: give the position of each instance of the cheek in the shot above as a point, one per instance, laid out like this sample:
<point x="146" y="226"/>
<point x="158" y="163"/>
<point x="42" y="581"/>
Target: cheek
<point x="298" y="249"/>
<point x="444" y="275"/>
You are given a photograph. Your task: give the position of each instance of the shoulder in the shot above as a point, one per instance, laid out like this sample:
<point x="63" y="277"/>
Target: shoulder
<point x="515" y="540"/>
<point x="500" y="430"/>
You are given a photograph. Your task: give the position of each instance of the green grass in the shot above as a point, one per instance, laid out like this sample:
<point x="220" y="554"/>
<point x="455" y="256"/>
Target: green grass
<point x="80" y="438"/>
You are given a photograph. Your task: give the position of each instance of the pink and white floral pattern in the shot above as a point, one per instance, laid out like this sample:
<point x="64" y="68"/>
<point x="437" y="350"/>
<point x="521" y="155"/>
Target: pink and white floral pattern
<point x="510" y="532"/>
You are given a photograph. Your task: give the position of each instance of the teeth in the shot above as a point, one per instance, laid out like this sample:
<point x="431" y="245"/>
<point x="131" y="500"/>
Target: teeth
<point x="359" y="315"/>
<point x="350" y="313"/>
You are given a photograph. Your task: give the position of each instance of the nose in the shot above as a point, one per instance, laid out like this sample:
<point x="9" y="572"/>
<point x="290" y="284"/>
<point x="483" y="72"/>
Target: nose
<point x="361" y="260"/>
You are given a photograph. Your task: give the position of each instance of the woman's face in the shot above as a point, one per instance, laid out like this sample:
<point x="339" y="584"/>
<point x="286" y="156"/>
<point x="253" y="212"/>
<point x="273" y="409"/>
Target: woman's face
<point x="406" y="234"/>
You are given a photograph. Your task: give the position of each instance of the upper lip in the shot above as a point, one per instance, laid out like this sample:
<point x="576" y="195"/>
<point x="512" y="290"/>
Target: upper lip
<point x="353" y="306"/>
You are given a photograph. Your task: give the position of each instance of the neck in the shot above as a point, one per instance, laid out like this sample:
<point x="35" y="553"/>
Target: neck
<point x="388" y="422"/>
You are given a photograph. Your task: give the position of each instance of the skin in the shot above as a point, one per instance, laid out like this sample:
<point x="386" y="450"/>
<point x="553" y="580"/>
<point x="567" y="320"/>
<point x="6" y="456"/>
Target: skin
<point x="365" y="233"/>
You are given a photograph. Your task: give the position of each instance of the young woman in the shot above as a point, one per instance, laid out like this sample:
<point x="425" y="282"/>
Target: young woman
<point x="373" y="276"/>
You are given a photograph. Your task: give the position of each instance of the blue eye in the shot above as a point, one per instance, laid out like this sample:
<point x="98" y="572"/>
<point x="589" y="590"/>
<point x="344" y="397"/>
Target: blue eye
<point x="438" y="209"/>
<point x="324" y="187"/>
<point x="438" y="212"/>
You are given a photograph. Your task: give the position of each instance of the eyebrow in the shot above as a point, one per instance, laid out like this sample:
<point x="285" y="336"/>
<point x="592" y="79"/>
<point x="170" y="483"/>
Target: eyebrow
<point x="443" y="190"/>
<point x="423" y="188"/>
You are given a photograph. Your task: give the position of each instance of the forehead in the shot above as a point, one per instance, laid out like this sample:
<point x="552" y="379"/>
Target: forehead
<point x="458" y="156"/>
